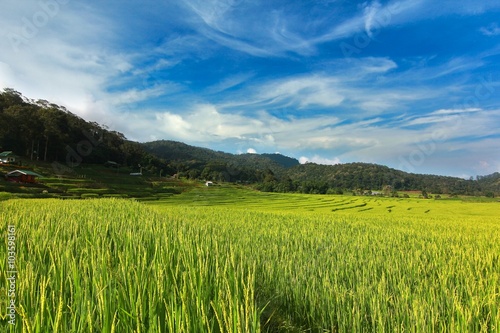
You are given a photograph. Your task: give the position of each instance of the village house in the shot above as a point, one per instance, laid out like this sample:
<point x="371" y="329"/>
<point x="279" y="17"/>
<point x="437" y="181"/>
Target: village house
<point x="8" y="157"/>
<point x="22" y="176"/>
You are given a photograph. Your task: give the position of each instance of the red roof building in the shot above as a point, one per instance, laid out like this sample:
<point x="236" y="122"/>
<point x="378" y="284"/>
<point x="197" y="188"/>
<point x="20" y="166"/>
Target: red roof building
<point x="22" y="176"/>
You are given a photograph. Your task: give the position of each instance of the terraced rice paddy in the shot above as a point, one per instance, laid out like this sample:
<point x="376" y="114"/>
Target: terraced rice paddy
<point x="241" y="261"/>
<point x="339" y="204"/>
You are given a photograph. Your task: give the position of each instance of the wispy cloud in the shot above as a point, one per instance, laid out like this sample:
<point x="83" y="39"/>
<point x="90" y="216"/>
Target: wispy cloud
<point x="231" y="23"/>
<point x="137" y="95"/>
<point x="302" y="92"/>
<point x="277" y="32"/>
<point x="370" y="12"/>
<point x="455" y="111"/>
<point x="229" y="82"/>
<point x="370" y="19"/>
<point x="449" y="125"/>
<point x="491" y="30"/>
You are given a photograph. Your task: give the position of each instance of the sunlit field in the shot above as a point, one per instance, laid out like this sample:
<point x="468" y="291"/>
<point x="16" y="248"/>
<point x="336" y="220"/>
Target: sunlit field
<point x="225" y="260"/>
<point x="362" y="206"/>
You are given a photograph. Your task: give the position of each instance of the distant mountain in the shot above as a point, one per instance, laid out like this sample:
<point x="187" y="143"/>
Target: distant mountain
<point x="207" y="164"/>
<point x="490" y="183"/>
<point x="285" y="161"/>
<point x="374" y="176"/>
<point x="178" y="151"/>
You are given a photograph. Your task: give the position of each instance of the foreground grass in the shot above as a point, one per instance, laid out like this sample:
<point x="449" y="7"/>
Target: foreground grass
<point x="118" y="266"/>
<point x="114" y="266"/>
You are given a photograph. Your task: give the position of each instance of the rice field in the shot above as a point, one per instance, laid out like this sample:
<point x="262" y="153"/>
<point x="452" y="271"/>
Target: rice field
<point x="115" y="265"/>
<point x="367" y="206"/>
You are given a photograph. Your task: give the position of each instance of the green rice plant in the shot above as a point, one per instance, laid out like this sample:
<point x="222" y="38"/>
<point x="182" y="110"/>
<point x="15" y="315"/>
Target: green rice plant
<point x="5" y="196"/>
<point x="89" y="195"/>
<point x="115" y="265"/>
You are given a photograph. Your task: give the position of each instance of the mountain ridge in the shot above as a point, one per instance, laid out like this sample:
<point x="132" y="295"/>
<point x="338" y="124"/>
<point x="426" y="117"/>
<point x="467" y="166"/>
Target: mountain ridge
<point x="176" y="150"/>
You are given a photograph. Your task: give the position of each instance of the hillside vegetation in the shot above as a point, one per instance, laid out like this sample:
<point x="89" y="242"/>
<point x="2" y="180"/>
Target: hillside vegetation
<point x="40" y="131"/>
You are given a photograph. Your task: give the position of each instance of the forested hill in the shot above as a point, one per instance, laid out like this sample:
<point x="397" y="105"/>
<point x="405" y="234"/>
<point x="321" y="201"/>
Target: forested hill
<point x="282" y="160"/>
<point x="178" y="151"/>
<point x="372" y="176"/>
<point x="43" y="131"/>
<point x="203" y="163"/>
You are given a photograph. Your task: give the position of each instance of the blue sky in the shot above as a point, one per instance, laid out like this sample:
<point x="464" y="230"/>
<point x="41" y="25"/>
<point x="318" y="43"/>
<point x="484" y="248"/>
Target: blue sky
<point x="412" y="84"/>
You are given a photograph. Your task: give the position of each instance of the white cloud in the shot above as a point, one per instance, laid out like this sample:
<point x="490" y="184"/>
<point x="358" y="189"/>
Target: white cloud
<point x="303" y="160"/>
<point x="491" y="30"/>
<point x="281" y="31"/>
<point x="319" y="160"/>
<point x="58" y="60"/>
<point x="358" y="87"/>
<point x="370" y="16"/>
<point x="370" y="65"/>
<point x="303" y="91"/>
<point x="205" y="123"/>
<point x="444" y="124"/>
<point x="251" y="151"/>
<point x="177" y="47"/>
<point x="174" y="124"/>
<point x="374" y="17"/>
<point x="136" y="95"/>
<point x="229" y="82"/>
<point x="231" y="24"/>
<point x="455" y="111"/>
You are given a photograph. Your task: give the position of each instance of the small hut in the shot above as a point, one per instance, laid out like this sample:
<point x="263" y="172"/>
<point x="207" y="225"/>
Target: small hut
<point x="8" y="157"/>
<point x="22" y="176"/>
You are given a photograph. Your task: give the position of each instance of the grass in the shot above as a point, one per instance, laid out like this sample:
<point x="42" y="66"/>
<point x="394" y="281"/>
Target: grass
<point x="233" y="260"/>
